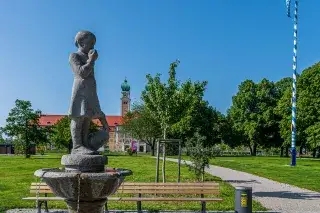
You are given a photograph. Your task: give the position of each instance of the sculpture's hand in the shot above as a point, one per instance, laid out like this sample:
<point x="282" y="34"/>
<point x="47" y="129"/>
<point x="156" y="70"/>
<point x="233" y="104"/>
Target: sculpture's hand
<point x="93" y="55"/>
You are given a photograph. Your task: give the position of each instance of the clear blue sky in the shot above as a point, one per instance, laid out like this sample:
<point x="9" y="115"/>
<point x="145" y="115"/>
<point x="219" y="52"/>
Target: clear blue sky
<point x="222" y="41"/>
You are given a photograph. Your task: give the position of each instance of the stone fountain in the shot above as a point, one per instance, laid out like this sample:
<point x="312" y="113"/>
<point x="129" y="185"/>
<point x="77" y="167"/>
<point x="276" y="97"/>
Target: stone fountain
<point x="84" y="182"/>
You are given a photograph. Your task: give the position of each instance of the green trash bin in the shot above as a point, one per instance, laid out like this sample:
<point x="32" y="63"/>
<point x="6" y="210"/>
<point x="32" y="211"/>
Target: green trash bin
<point x="243" y="200"/>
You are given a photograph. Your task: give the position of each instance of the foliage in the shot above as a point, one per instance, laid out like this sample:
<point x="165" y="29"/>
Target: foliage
<point x="61" y="135"/>
<point x="22" y="123"/>
<point x="2" y="140"/>
<point x="199" y="155"/>
<point x="173" y="103"/>
<point x="308" y="104"/>
<point x="129" y="151"/>
<point x="283" y="110"/>
<point x="160" y="98"/>
<point x="142" y="125"/>
<point x="252" y="113"/>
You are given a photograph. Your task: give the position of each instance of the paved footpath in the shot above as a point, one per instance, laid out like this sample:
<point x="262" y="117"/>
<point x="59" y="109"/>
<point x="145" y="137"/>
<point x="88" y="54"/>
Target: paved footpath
<point x="273" y="195"/>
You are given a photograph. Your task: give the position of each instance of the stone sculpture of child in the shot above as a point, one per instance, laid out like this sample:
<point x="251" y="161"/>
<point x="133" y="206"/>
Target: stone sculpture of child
<point x="84" y="101"/>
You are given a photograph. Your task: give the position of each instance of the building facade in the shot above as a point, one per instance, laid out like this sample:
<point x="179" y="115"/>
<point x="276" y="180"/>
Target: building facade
<point x="118" y="140"/>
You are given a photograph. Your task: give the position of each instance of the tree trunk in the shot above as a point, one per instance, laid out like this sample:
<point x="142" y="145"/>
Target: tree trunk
<point x="287" y="151"/>
<point x="251" y="152"/>
<point x="314" y="151"/>
<point x="254" y="150"/>
<point x="164" y="158"/>
<point x="152" y="146"/>
<point x="281" y="151"/>
<point x="202" y="175"/>
<point x="27" y="141"/>
<point x="318" y="154"/>
<point x="300" y="151"/>
<point x="27" y="149"/>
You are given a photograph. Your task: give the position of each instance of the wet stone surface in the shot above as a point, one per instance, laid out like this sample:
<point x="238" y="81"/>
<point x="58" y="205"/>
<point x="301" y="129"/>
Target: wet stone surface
<point x="84" y="163"/>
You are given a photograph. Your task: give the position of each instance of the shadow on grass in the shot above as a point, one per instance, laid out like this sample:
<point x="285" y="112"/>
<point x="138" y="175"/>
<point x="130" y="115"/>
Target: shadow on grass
<point x="288" y="195"/>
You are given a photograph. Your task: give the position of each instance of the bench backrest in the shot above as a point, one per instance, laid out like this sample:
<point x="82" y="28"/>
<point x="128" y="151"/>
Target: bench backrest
<point x="169" y="188"/>
<point x="148" y="188"/>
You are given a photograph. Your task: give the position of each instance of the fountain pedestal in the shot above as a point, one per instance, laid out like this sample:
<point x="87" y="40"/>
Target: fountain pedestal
<point x="85" y="207"/>
<point x="84" y="183"/>
<point x="84" y="163"/>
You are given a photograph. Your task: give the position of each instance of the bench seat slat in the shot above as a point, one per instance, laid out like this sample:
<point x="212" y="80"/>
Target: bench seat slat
<point x="133" y="199"/>
<point x="167" y="192"/>
<point x="43" y="198"/>
<point x="41" y="192"/>
<point x="168" y="199"/>
<point x="146" y="184"/>
<point x="144" y="188"/>
<point x="167" y="187"/>
<point x="60" y="198"/>
<point x="170" y="184"/>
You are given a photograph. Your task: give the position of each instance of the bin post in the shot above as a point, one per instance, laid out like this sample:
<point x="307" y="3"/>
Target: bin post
<point x="243" y="200"/>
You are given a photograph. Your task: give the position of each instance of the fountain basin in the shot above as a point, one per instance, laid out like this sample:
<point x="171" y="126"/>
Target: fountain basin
<point x="77" y="186"/>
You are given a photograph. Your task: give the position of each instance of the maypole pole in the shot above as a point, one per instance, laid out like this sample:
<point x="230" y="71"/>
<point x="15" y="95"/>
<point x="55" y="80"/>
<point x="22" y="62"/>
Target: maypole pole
<point x="294" y="81"/>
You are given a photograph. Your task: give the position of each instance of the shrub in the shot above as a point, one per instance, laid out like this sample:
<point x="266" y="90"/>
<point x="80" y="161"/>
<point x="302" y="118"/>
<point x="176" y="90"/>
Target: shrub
<point x="129" y="151"/>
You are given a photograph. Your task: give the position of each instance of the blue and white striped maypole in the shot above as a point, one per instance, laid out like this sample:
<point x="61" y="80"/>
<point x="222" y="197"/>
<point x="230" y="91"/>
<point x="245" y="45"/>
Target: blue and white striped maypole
<point x="294" y="82"/>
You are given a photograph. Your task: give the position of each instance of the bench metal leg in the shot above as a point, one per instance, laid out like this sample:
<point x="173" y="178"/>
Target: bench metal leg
<point x="139" y="208"/>
<point x="106" y="207"/>
<point x="203" y="207"/>
<point x="46" y="203"/>
<point x="39" y="203"/>
<point x="46" y="206"/>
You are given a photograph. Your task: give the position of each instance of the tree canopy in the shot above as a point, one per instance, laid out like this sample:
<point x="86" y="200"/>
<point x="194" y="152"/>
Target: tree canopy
<point x="22" y="123"/>
<point x="140" y="124"/>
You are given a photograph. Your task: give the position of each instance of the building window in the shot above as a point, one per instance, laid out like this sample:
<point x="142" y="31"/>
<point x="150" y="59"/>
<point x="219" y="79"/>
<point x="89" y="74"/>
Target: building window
<point x="141" y="148"/>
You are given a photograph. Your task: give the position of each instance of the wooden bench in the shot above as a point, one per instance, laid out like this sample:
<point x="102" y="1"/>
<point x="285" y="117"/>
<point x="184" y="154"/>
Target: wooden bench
<point x="143" y="192"/>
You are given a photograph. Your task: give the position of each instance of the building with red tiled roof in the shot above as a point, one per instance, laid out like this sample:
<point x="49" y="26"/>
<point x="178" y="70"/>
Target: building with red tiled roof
<point x="118" y="141"/>
<point x="48" y="120"/>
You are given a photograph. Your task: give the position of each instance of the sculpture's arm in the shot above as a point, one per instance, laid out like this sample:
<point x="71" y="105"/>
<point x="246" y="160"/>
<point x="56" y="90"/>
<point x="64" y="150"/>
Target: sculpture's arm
<point x="83" y="70"/>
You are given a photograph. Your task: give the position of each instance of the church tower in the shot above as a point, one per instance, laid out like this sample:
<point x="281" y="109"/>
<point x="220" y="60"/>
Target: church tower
<point x="125" y="99"/>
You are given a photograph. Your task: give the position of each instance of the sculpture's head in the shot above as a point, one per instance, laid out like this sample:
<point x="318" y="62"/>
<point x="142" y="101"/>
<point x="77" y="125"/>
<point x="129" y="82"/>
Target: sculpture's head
<point x="85" y="41"/>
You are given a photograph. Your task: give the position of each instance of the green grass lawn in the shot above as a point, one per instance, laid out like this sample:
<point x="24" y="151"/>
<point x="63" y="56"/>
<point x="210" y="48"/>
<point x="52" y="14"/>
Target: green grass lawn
<point x="16" y="174"/>
<point x="304" y="175"/>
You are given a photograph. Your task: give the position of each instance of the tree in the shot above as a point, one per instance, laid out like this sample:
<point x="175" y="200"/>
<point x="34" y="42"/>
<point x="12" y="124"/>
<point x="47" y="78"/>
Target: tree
<point x="308" y="105"/>
<point x="283" y="110"/>
<point x="2" y="140"/>
<point x="283" y="85"/>
<point x="159" y="98"/>
<point x="200" y="155"/>
<point x="22" y="123"/>
<point x="173" y="104"/>
<point x="61" y="135"/>
<point x="313" y="136"/>
<point x="252" y="113"/>
<point x="142" y="125"/>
